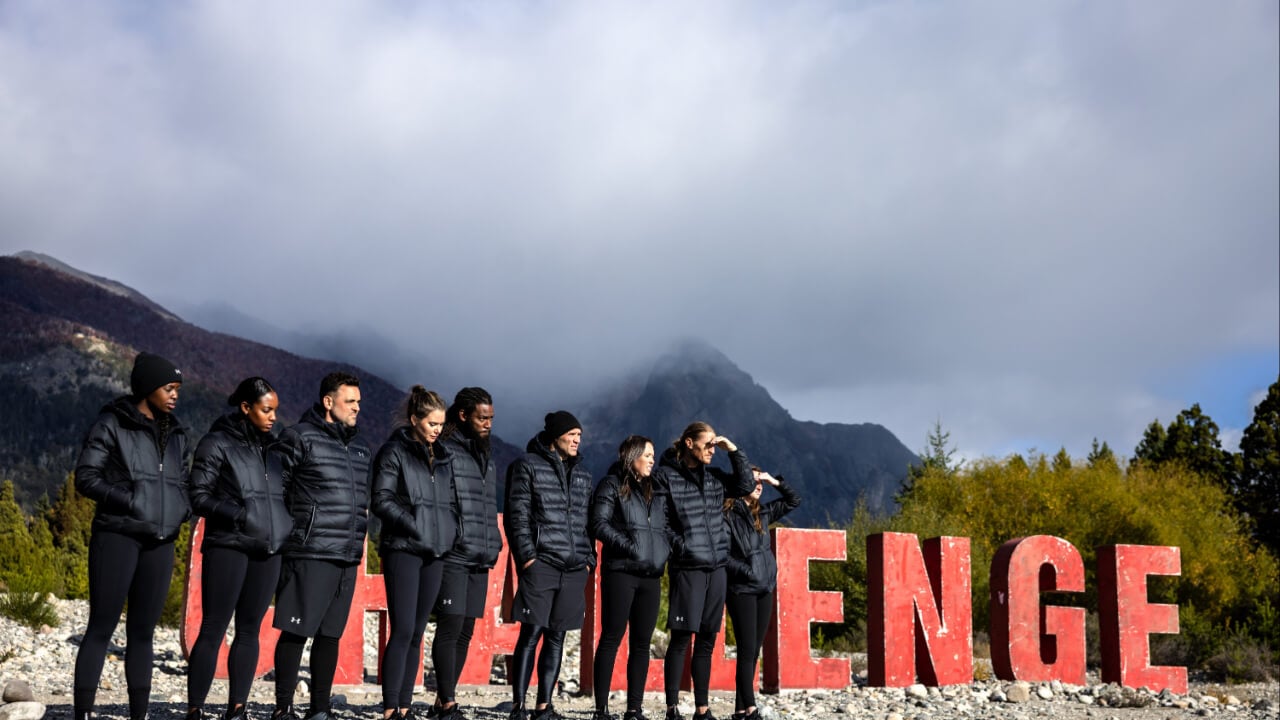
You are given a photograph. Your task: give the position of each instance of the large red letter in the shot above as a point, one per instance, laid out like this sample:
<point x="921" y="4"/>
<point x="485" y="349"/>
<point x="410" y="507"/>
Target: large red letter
<point x="1028" y="640"/>
<point x="918" y="611"/>
<point x="788" y="660"/>
<point x="1127" y="618"/>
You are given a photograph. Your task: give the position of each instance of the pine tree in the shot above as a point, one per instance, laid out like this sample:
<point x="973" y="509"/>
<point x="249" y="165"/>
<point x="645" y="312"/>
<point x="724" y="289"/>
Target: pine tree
<point x="1101" y="457"/>
<point x="1061" y="461"/>
<point x="1258" y="490"/>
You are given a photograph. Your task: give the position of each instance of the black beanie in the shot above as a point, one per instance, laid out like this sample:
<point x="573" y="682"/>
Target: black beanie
<point x="150" y="372"/>
<point x="559" y="423"/>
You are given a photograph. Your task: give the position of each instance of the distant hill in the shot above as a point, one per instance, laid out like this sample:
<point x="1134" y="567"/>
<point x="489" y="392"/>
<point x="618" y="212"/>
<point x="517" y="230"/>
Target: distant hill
<point x="70" y="339"/>
<point x="832" y="465"/>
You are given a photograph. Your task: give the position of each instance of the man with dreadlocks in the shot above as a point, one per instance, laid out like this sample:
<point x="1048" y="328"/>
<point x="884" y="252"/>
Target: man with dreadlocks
<point x="465" y="581"/>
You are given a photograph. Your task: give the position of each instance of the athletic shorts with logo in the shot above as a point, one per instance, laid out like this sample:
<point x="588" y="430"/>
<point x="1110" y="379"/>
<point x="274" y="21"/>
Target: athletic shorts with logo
<point x="550" y="598"/>
<point x="696" y="600"/>
<point x="314" y="596"/>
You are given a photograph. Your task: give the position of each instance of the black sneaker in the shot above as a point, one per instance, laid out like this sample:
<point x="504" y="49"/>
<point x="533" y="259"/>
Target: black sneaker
<point x="603" y="715"/>
<point x="704" y="716"/>
<point x="634" y="715"/>
<point x="673" y="713"/>
<point x="518" y="713"/>
<point x="546" y="713"/>
<point x="319" y="715"/>
<point x="453" y="712"/>
<point x="284" y="713"/>
<point x="754" y="714"/>
<point x="238" y="713"/>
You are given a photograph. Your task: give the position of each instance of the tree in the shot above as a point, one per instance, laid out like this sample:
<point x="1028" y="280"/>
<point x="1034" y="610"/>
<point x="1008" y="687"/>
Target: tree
<point x="1191" y="439"/>
<point x="1258" y="491"/>
<point x="1101" y="457"/>
<point x="1061" y="461"/>
<point x="937" y="456"/>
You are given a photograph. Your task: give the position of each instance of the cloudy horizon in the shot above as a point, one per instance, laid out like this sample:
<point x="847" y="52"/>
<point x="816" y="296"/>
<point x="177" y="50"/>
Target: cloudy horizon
<point x="1038" y="223"/>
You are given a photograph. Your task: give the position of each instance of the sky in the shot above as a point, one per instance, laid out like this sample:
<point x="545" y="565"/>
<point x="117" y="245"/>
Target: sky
<point x="1036" y="223"/>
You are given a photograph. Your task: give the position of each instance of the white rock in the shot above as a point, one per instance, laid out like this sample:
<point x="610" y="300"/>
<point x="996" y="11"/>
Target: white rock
<point x="918" y="691"/>
<point x="1044" y="693"/>
<point x="26" y="710"/>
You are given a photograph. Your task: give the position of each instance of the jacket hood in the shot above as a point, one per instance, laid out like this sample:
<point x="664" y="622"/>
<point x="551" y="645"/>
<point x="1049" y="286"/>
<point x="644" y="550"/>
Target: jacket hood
<point x="672" y="460"/>
<point x="126" y="408"/>
<point x="237" y="426"/>
<point x="315" y="416"/>
<point x="536" y="446"/>
<point x="405" y="437"/>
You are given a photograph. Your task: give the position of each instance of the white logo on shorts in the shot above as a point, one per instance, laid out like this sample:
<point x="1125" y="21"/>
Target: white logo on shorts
<point x="679" y="618"/>
<point x="295" y="620"/>
<point x="525" y="611"/>
<point x="446" y="601"/>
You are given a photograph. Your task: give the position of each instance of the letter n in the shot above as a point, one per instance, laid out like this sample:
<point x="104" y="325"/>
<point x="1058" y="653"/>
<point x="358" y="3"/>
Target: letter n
<point x="919" y="620"/>
<point x="1030" y="641"/>
<point x="1127" y="618"/>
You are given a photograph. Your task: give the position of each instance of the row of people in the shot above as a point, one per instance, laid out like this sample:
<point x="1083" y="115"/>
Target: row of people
<point x="286" y="516"/>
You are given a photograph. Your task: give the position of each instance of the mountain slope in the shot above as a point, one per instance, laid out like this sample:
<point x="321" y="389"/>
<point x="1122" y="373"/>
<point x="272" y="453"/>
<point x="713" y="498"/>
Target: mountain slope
<point x="832" y="465"/>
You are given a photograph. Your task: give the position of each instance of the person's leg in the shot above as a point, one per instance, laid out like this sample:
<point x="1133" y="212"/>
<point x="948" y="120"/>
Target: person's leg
<point x="147" y="594"/>
<point x="644" y="617"/>
<point x="428" y="589"/>
<point x="615" y="605"/>
<point x="444" y="656"/>
<point x="673" y="665"/>
<point x="255" y="597"/>
<point x="288" y="659"/>
<point x="222" y="575"/>
<point x="113" y="559"/>
<point x="522" y="662"/>
<point x="549" y="659"/>
<point x="703" y="645"/>
<point x="742" y="610"/>
<point x="324" y="664"/>
<point x="400" y="571"/>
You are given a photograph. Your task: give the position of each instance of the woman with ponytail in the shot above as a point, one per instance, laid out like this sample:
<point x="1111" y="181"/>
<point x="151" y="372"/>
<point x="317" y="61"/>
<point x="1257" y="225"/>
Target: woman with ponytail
<point x="237" y="487"/>
<point x="133" y="465"/>
<point x="629" y="517"/>
<point x="753" y="579"/>
<point x="413" y="496"/>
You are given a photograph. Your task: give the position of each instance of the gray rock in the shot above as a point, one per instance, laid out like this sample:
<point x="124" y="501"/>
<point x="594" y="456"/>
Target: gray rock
<point x="24" y="710"/>
<point x="302" y="688"/>
<point x="917" y="691"/>
<point x="18" y="691"/>
<point x="1044" y="693"/>
<point x="1018" y="693"/>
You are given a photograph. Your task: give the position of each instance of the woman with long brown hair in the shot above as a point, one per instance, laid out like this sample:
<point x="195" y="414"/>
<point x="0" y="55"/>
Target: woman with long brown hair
<point x="629" y="518"/>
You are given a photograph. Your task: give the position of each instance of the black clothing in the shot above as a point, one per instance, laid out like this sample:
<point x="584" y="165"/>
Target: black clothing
<point x="696" y="507"/>
<point x="449" y="651"/>
<point x="627" y="602"/>
<point x="135" y="469"/>
<point x="551" y="598"/>
<point x="232" y="582"/>
<point x="695" y="600"/>
<point x="314" y="597"/>
<point x="548" y="662"/>
<point x="326" y="471"/>
<point x="412" y="582"/>
<point x="633" y="531"/>
<point x="237" y="485"/>
<point x="413" y="496"/>
<point x="324" y="663"/>
<point x="463" y="591"/>
<point x="699" y="666"/>
<point x="475" y="480"/>
<point x="750" y="614"/>
<point x="122" y="567"/>
<point x="752" y="567"/>
<point x="547" y="506"/>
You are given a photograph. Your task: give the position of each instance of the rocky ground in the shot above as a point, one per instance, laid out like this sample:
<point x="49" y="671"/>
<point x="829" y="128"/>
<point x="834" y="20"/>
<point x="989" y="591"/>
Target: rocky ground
<point x="36" y="667"/>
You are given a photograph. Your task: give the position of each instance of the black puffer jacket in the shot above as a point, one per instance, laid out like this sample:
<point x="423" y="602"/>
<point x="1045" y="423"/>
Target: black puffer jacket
<point x="696" y="511"/>
<point x="414" y="498"/>
<point x="475" y="483"/>
<point x="753" y="569"/>
<point x="634" y="531"/>
<point x="238" y="486"/>
<point x="326" y="471"/>
<point x="547" y="507"/>
<point x="135" y="469"/>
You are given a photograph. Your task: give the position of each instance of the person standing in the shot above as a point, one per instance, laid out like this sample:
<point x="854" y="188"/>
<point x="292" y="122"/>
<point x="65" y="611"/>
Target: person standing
<point x="413" y="496"/>
<point x="753" y="579"/>
<point x="133" y="465"/>
<point x="701" y="552"/>
<point x="629" y="518"/>
<point x="326" y="474"/>
<point x="236" y="485"/>
<point x="548" y="494"/>
<point x="464" y="585"/>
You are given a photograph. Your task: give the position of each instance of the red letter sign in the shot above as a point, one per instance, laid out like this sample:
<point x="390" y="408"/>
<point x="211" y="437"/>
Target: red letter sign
<point x="918" y="611"/>
<point x="1127" y="617"/>
<point x="788" y="661"/>
<point x="1028" y="640"/>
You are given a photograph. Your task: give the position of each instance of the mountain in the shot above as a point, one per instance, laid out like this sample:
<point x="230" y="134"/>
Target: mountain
<point x="831" y="465"/>
<point x="70" y="339"/>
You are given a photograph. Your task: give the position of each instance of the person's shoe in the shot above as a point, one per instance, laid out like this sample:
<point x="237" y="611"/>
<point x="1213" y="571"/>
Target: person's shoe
<point x="634" y="715"/>
<point x="408" y="714"/>
<point x="319" y="715"/>
<point x="673" y="713"/>
<point x="704" y="716"/>
<point x="546" y="713"/>
<point x="603" y="715"/>
<point x="518" y="713"/>
<point x="195" y="714"/>
<point x="754" y="714"/>
<point x="284" y="713"/>
<point x="453" y="712"/>
<point x="239" y="713"/>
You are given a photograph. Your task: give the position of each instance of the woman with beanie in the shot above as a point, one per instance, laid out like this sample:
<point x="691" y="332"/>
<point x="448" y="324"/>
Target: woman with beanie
<point x="548" y="493"/>
<point x="753" y="579"/>
<point x="701" y="551"/>
<point x="236" y="485"/>
<point x="134" y="467"/>
<point x="413" y="496"/>
<point x="629" y="517"/>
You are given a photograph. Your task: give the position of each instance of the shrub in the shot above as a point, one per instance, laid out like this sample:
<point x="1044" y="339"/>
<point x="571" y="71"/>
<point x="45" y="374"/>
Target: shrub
<point x="29" y="605"/>
<point x="1241" y="659"/>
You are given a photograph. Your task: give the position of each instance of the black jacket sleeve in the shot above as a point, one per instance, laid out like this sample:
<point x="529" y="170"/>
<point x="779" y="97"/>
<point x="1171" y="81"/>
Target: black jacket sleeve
<point x="210" y="458"/>
<point x="518" y="517"/>
<point x="776" y="509"/>
<point x="389" y="505"/>
<point x="741" y="481"/>
<point x="91" y="467"/>
<point x="604" y="503"/>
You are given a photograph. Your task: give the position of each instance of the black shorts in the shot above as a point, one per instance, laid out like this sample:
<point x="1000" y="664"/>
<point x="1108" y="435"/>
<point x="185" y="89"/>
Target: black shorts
<point x="550" y="598"/>
<point x="696" y="600"/>
<point x="463" y="591"/>
<point x="314" y="596"/>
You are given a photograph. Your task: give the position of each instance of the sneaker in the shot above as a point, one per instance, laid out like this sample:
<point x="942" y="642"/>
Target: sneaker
<point x="239" y="713"/>
<point x="453" y="712"/>
<point x="518" y="713"/>
<point x="603" y="715"/>
<point x="546" y="713"/>
<point x="634" y="715"/>
<point x="754" y="714"/>
<point x="704" y="716"/>
<point x="673" y="713"/>
<point x="284" y="713"/>
<point x="195" y="714"/>
<point x="408" y="714"/>
<point x="319" y="715"/>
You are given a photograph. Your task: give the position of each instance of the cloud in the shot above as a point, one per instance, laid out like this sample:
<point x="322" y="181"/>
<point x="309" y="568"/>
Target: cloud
<point x="1015" y="209"/>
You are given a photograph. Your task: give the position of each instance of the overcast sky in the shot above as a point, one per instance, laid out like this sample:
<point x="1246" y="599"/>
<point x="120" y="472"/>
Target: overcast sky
<point x="1038" y="222"/>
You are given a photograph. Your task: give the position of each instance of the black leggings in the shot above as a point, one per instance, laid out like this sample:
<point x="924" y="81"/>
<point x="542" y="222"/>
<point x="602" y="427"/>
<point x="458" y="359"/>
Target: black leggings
<point x="233" y="582"/>
<point x="324" y="663"/>
<point x="548" y="662"/>
<point x="449" y="652"/>
<point x="673" y="665"/>
<point x="750" y="616"/>
<point x="625" y="599"/>
<point x="413" y="582"/>
<point x="122" y="568"/>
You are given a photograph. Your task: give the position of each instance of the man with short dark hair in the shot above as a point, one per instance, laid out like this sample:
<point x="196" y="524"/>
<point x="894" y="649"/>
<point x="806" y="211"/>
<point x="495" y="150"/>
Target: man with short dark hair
<point x="326" y="480"/>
